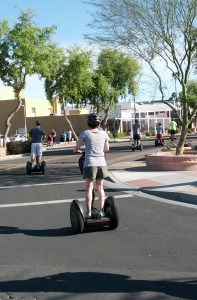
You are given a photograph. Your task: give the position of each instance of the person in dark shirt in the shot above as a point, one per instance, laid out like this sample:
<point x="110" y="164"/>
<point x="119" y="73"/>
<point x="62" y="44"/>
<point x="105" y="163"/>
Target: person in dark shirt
<point x="136" y="133"/>
<point x="37" y="134"/>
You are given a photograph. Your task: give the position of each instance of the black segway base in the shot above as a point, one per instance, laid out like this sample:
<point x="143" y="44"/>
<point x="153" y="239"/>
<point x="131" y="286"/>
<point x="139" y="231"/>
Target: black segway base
<point x="79" y="222"/>
<point x="133" y="148"/>
<point x="159" y="143"/>
<point x="41" y="168"/>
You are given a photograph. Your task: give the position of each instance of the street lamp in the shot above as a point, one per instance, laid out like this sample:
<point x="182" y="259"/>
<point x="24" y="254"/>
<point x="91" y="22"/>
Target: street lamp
<point x="25" y="120"/>
<point x="8" y="79"/>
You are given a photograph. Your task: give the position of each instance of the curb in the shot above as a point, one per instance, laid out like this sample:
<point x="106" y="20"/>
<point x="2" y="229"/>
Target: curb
<point x="179" y="197"/>
<point x="175" y="196"/>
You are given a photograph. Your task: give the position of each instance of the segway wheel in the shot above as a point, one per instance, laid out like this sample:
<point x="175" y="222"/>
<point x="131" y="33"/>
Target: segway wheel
<point x="111" y="210"/>
<point x="28" y="167"/>
<point x="156" y="143"/>
<point x="132" y="148"/>
<point x="76" y="218"/>
<point x="43" y="167"/>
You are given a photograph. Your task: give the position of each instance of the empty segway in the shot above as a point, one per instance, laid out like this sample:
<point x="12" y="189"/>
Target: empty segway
<point x="138" y="147"/>
<point x="77" y="216"/>
<point x="37" y="168"/>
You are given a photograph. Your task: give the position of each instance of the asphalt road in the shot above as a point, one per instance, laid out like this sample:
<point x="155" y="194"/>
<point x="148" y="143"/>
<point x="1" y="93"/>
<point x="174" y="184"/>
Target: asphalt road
<point x="152" y="254"/>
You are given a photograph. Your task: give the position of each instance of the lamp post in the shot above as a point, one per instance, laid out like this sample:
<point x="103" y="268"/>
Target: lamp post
<point x="8" y="79"/>
<point x="25" y="120"/>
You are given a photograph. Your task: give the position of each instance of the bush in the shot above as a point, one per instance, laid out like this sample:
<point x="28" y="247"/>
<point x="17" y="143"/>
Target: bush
<point x="150" y="133"/>
<point x="116" y="135"/>
<point x="18" y="147"/>
<point x="189" y="130"/>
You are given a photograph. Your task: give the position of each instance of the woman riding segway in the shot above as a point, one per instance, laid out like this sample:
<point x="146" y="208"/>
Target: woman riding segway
<point x="95" y="167"/>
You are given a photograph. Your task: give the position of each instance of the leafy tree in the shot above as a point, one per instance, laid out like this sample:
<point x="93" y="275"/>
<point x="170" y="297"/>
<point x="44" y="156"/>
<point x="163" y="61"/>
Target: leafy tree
<point x="114" y="77"/>
<point x="191" y="95"/>
<point x="25" y="49"/>
<point x="72" y="80"/>
<point x="159" y="32"/>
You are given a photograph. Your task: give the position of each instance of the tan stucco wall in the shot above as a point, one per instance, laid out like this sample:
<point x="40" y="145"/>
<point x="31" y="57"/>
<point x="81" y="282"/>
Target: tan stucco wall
<point x="59" y="124"/>
<point x="17" y="121"/>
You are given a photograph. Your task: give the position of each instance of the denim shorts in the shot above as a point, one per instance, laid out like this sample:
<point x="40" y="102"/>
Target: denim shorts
<point x="95" y="172"/>
<point x="36" y="149"/>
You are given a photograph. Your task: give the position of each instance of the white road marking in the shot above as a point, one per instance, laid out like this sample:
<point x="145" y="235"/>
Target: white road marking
<point x="54" y="201"/>
<point x="38" y="184"/>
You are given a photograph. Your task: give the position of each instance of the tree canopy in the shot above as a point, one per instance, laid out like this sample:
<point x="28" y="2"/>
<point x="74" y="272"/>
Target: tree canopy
<point x="100" y="82"/>
<point x="114" y="77"/>
<point x="159" y="32"/>
<point x="25" y="49"/>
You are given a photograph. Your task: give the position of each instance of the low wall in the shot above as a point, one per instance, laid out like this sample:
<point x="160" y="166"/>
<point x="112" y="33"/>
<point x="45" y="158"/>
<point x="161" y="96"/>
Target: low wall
<point x="2" y="151"/>
<point x="168" y="161"/>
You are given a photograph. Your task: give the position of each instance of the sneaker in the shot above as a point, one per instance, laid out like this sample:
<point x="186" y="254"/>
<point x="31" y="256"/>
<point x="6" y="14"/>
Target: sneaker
<point x="88" y="215"/>
<point x="102" y="213"/>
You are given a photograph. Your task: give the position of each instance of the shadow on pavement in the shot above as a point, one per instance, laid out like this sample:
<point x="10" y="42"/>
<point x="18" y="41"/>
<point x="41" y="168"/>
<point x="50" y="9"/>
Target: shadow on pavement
<point x="53" y="232"/>
<point x="67" y="231"/>
<point x="54" y="173"/>
<point x="93" y="282"/>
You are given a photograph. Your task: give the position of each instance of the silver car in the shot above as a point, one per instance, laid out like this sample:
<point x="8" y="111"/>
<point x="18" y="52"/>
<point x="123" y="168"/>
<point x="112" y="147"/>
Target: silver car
<point x="17" y="137"/>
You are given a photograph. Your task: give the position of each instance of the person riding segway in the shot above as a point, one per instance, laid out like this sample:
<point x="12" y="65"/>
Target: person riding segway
<point x="37" y="134"/>
<point x="172" y="128"/>
<point x="159" y="138"/>
<point x="94" y="168"/>
<point x="136" y="137"/>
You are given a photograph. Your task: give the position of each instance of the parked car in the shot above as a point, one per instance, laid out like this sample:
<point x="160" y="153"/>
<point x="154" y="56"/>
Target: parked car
<point x="1" y="139"/>
<point x="17" y="137"/>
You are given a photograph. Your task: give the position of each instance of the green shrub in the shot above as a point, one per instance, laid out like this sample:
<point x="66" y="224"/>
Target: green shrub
<point x="18" y="147"/>
<point x="113" y="135"/>
<point x="178" y="130"/>
<point x="189" y="130"/>
<point x="150" y="133"/>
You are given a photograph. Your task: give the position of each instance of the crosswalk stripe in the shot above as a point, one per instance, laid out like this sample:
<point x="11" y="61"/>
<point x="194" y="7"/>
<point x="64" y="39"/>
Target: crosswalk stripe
<point x="38" y="184"/>
<point x="53" y="201"/>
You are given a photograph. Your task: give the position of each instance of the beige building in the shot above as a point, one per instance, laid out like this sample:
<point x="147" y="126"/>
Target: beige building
<point x="50" y="115"/>
<point x="6" y="93"/>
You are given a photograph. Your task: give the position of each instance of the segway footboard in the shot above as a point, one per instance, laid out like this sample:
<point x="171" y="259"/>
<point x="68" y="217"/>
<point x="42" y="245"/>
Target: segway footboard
<point x="96" y="219"/>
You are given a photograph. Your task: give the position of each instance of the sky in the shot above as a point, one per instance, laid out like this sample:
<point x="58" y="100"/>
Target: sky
<point x="71" y="18"/>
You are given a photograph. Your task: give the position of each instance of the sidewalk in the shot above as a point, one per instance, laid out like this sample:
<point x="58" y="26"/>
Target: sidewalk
<point x="172" y="185"/>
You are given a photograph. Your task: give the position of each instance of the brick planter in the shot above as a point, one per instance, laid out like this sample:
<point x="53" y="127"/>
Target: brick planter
<point x="168" y="161"/>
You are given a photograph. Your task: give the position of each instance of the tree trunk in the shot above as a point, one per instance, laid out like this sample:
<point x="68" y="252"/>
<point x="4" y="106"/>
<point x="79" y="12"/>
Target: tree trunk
<point x="181" y="143"/>
<point x="10" y="116"/>
<point x="104" y="123"/>
<point x="70" y="126"/>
